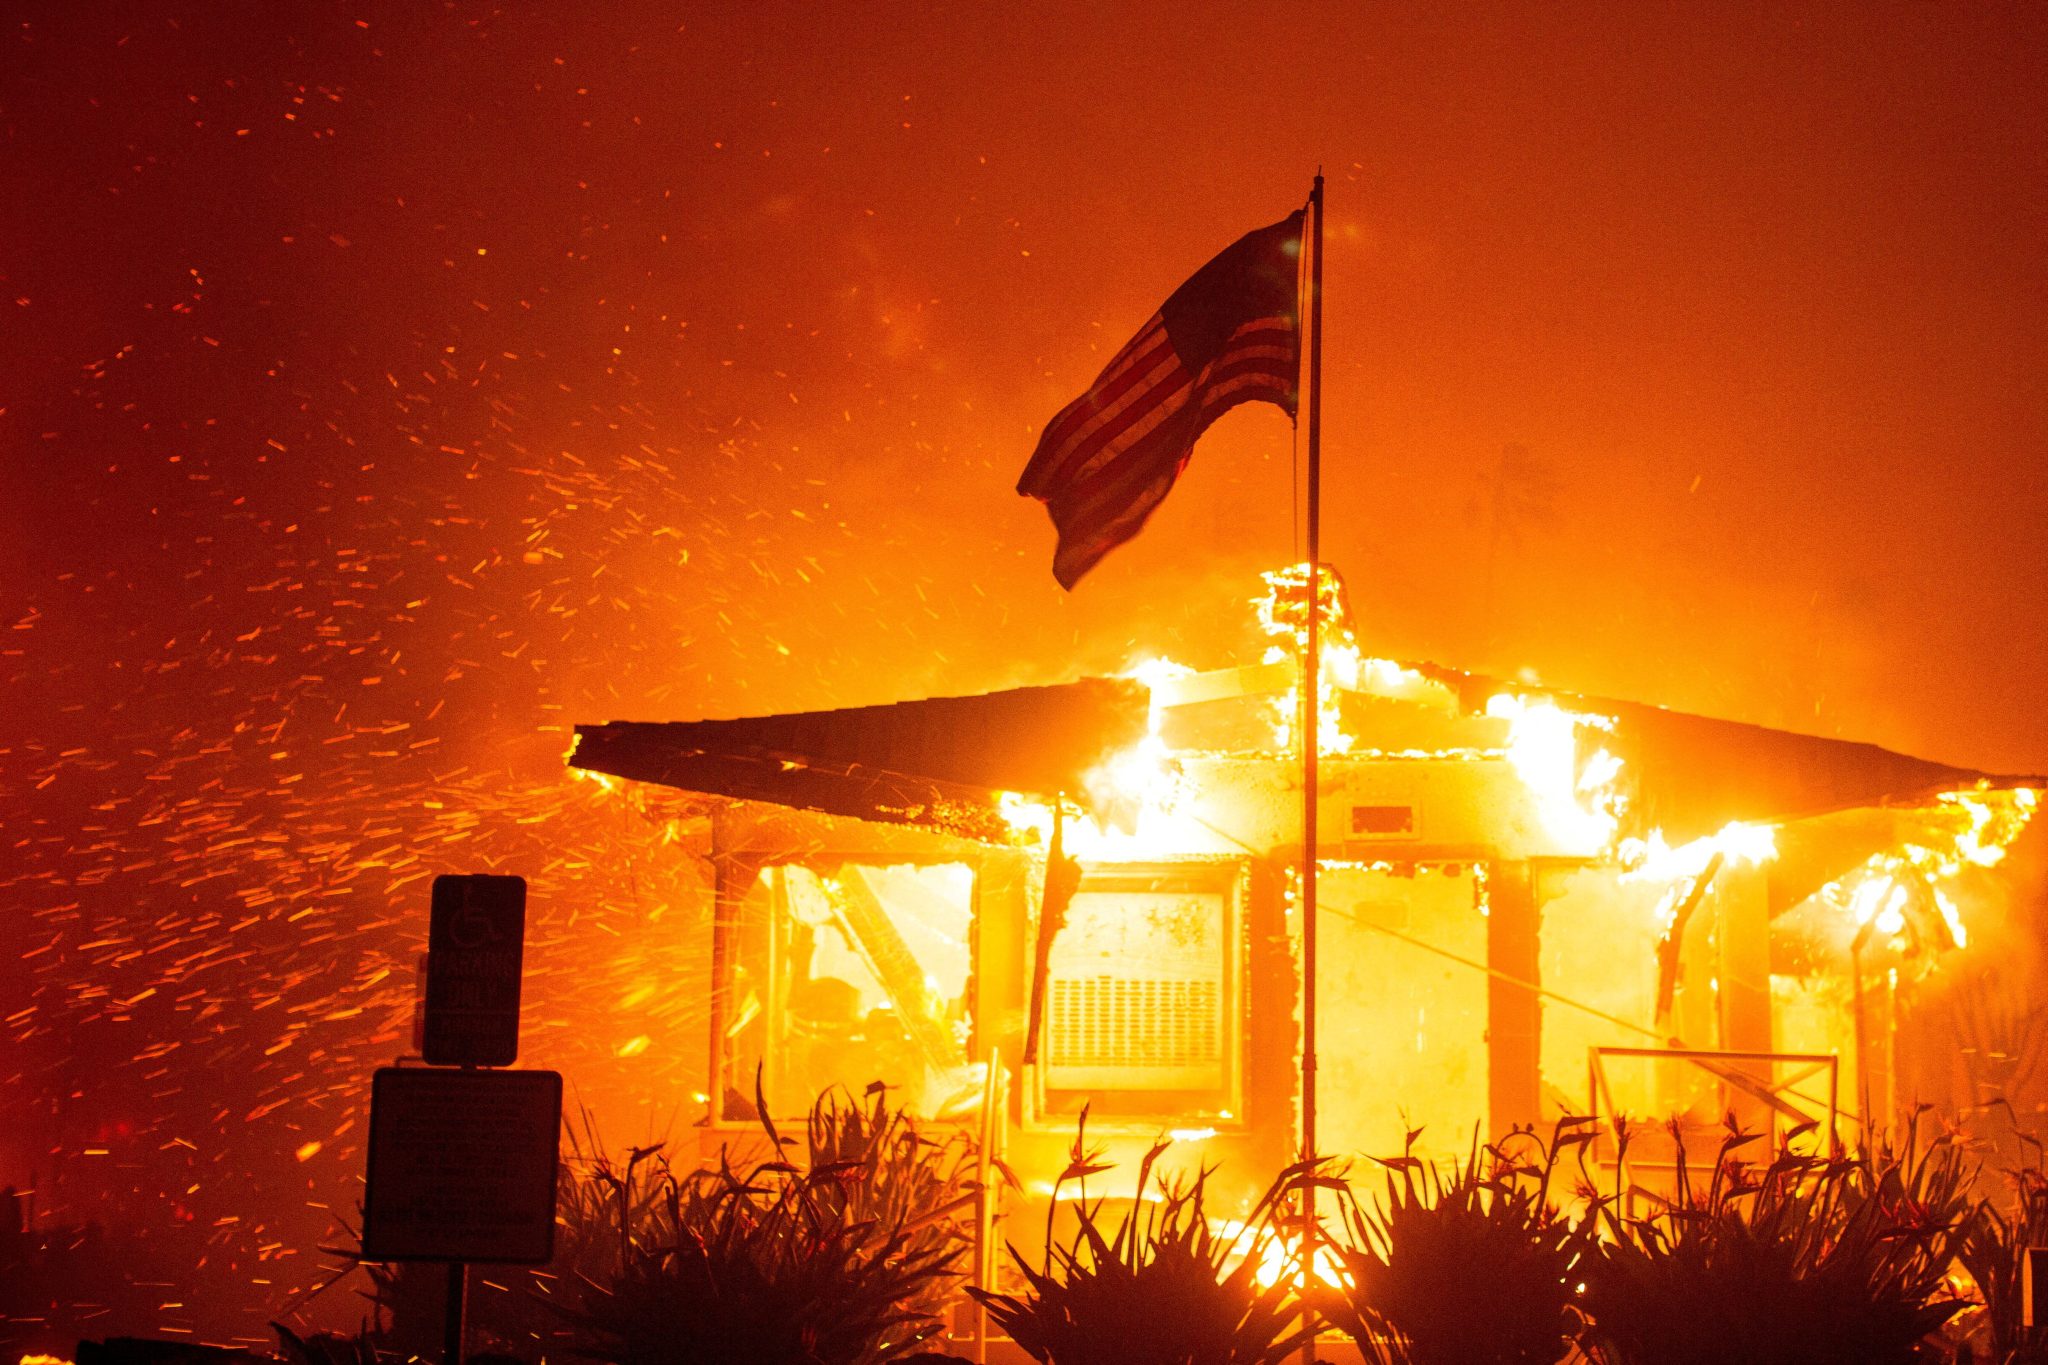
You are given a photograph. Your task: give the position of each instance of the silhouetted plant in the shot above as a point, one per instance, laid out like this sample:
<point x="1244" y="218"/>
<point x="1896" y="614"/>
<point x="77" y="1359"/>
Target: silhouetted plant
<point x="1802" y="1259"/>
<point x="1160" y="1288"/>
<point x="761" y="1275"/>
<point x="891" y="1178"/>
<point x="1991" y="1251"/>
<point x="841" y="1249"/>
<point x="1466" y="1265"/>
<point x="843" y="1260"/>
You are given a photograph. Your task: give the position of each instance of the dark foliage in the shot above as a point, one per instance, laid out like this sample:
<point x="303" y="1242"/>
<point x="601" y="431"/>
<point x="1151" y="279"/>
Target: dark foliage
<point x="843" y="1260"/>
<point x="1159" y="1288"/>
<point x="1466" y="1266"/>
<point x="1990" y="1250"/>
<point x="1799" y="1260"/>
<point x="842" y="1250"/>
<point x="759" y="1278"/>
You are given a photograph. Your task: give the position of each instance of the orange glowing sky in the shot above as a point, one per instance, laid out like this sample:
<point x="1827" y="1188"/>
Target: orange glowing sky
<point x="424" y="378"/>
<point x="1759" y="290"/>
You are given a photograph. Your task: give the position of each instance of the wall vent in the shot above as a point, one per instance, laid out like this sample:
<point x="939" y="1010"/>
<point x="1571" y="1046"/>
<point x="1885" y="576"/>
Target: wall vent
<point x="1140" y="1026"/>
<point x="1383" y="822"/>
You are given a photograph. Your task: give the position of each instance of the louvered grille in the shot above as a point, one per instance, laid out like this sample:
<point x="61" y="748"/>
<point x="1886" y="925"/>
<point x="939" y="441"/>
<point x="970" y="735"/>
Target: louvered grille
<point x="1107" y="1021"/>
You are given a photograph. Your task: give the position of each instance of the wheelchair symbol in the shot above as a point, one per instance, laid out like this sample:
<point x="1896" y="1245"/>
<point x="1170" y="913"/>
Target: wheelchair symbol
<point x="476" y="917"/>
<point x="472" y="925"/>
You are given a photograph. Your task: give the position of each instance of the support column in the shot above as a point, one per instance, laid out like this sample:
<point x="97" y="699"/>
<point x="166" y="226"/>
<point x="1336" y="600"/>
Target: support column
<point x="724" y="919"/>
<point x="1742" y="961"/>
<point x="1514" y="1013"/>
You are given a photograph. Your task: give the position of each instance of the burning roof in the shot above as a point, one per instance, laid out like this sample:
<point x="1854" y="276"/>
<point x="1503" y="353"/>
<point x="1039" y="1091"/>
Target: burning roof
<point x="941" y="761"/>
<point x="1694" y="775"/>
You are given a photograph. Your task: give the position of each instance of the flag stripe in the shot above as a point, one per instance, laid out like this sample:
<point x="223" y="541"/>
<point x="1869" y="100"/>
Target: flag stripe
<point x="1091" y="449"/>
<point x="1082" y="431"/>
<point x="1229" y="335"/>
<point x="1112" y="409"/>
<point x="1114" y="505"/>
<point x="1134" y="423"/>
<point x="1080" y="457"/>
<point x="1106" y="509"/>
<point x="1090" y="510"/>
<point x="1130" y="368"/>
<point x="1132" y="466"/>
<point x="1233" y="377"/>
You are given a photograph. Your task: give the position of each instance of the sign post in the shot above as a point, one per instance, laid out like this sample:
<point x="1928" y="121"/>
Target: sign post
<point x="452" y="1323"/>
<point x="462" y="1159"/>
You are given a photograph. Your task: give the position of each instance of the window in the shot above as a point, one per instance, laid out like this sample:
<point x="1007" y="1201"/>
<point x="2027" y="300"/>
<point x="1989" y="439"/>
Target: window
<point x="853" y="973"/>
<point x="1142" y="1001"/>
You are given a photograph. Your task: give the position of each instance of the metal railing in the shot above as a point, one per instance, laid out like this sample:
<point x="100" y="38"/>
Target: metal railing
<point x="1789" y="1108"/>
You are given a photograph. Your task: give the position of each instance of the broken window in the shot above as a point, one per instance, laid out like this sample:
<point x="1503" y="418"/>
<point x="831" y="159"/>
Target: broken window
<point x="851" y="974"/>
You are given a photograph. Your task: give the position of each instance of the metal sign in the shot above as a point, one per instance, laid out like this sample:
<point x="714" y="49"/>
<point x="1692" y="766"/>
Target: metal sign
<point x="474" y="947"/>
<point x="462" y="1165"/>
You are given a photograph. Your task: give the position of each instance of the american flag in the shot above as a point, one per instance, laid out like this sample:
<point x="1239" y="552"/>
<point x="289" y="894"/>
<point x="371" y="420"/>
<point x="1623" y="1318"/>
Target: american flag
<point x="1230" y="335"/>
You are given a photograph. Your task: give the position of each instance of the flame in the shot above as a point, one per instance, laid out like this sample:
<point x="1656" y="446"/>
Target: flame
<point x="1385" y="678"/>
<point x="1880" y="900"/>
<point x="1580" y="803"/>
<point x="1279" y="1253"/>
<point x="1134" y="778"/>
<point x="1979" y="824"/>
<point x="1283" y="616"/>
<point x="1135" y="799"/>
<point x="1153" y="672"/>
<point x="1991" y="829"/>
<point x="1653" y="859"/>
<point x="1133" y="795"/>
<point x="605" y="781"/>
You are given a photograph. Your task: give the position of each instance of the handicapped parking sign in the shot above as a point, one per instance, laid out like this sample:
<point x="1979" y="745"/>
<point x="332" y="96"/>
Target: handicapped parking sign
<point x="475" y="950"/>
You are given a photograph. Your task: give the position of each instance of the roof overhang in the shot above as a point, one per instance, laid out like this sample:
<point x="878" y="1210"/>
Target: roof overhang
<point x="940" y="762"/>
<point x="937" y="762"/>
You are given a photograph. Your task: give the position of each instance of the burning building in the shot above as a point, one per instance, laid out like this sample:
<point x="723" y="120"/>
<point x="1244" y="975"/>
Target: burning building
<point x="1531" y="904"/>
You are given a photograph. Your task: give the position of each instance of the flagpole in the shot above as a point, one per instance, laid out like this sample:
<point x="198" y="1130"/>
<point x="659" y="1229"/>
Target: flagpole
<point x="1310" y="747"/>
